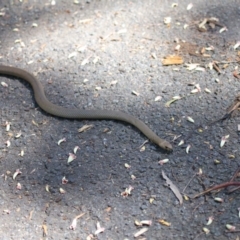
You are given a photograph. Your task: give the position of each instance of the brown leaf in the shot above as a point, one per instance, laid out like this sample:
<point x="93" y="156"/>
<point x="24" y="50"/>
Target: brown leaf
<point x="172" y="60"/>
<point x="236" y="74"/>
<point x="44" y="227"/>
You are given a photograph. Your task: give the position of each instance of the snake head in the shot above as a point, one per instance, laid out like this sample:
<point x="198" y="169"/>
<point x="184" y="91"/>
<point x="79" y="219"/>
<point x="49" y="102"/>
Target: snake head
<point x="166" y="146"/>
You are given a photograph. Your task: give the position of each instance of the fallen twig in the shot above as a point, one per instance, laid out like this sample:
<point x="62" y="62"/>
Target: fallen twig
<point x="220" y="186"/>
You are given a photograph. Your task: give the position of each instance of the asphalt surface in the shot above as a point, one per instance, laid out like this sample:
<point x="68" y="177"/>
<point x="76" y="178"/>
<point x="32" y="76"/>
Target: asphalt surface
<point x="108" y="55"/>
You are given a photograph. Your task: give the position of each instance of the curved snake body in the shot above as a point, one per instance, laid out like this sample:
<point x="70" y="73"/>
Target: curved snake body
<point x="59" y="111"/>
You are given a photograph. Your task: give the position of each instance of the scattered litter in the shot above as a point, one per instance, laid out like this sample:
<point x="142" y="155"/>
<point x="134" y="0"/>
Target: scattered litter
<point x="143" y="222"/>
<point x="76" y="148"/>
<point x="17" y="172"/>
<point x="45" y="230"/>
<point x="188" y="148"/>
<point x="74" y="222"/>
<point x="126" y="165"/>
<point x="140" y="232"/>
<point x="4" y="84"/>
<point x="47" y="188"/>
<point x="206" y="230"/>
<point x="61" y="141"/>
<point x="223" y="140"/>
<point x="189" y="6"/>
<point x="62" y="191"/>
<point x="236" y="45"/>
<point x="71" y="157"/>
<point x="99" y="229"/>
<point x="73" y="54"/>
<point x="207" y="90"/>
<point x="158" y="98"/>
<point x="173" y="188"/>
<point x="161" y="162"/>
<point x="164" y="222"/>
<point x="167" y="20"/>
<point x="174" y="99"/>
<point x="19" y="186"/>
<point x="7" y="124"/>
<point x="210" y="220"/>
<point x="64" y="180"/>
<point x="181" y="143"/>
<point x="190" y="119"/>
<point x="133" y="177"/>
<point x="18" y="135"/>
<point x="172" y="60"/>
<point x="85" y="128"/>
<point x="127" y="191"/>
<point x="217" y="199"/>
<point x="135" y="93"/>
<point x="231" y="228"/>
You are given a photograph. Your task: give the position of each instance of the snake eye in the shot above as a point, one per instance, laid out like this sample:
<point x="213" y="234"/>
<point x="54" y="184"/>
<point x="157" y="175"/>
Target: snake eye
<point x="168" y="148"/>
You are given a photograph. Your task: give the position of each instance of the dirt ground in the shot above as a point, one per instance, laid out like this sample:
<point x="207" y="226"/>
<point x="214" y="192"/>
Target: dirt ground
<point x="108" y="55"/>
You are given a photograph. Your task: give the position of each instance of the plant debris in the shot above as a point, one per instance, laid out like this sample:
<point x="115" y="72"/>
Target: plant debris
<point x="173" y="188"/>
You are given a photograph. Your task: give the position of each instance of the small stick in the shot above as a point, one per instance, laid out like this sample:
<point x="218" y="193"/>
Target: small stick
<point x="189" y="183"/>
<point x="222" y="185"/>
<point x="216" y="67"/>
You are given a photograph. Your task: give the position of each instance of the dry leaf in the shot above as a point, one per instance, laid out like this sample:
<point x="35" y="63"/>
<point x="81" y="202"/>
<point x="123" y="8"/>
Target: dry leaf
<point x="64" y="180"/>
<point x="223" y="29"/>
<point x="158" y="98"/>
<point x="173" y="188"/>
<point x="18" y="135"/>
<point x="126" y="165"/>
<point x="223" y="140"/>
<point x="71" y="157"/>
<point x="207" y="90"/>
<point x="206" y="230"/>
<point x="4" y="84"/>
<point x="88" y="20"/>
<point x="167" y="20"/>
<point x="230" y="227"/>
<point x="73" y="54"/>
<point x="165" y="223"/>
<point x="188" y="148"/>
<point x="113" y="82"/>
<point x="236" y="74"/>
<point x="44" y="228"/>
<point x="174" y="99"/>
<point x="181" y="143"/>
<point x="47" y="188"/>
<point x="85" y="128"/>
<point x="85" y="61"/>
<point x="210" y="220"/>
<point x="140" y="232"/>
<point x="236" y="45"/>
<point x="17" y="172"/>
<point x="190" y="119"/>
<point x="161" y="162"/>
<point x="189" y="6"/>
<point x="127" y="191"/>
<point x="135" y="93"/>
<point x="61" y="190"/>
<point x="74" y="222"/>
<point x="76" y="148"/>
<point x="191" y="66"/>
<point x="172" y="60"/>
<point x="61" y="140"/>
<point x="99" y="229"/>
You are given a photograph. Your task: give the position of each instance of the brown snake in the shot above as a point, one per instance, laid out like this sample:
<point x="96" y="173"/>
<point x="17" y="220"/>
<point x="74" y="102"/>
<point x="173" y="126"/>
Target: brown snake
<point x="59" y="111"/>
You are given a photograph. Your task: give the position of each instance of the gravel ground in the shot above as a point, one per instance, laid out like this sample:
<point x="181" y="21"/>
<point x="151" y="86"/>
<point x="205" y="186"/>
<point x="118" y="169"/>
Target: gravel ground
<point x="96" y="55"/>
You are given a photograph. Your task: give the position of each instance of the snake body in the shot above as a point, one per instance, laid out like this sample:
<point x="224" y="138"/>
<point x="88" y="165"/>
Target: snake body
<point x="59" y="111"/>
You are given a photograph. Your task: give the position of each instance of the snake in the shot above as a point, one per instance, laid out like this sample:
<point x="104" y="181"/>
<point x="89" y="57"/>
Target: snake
<point x="62" y="112"/>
